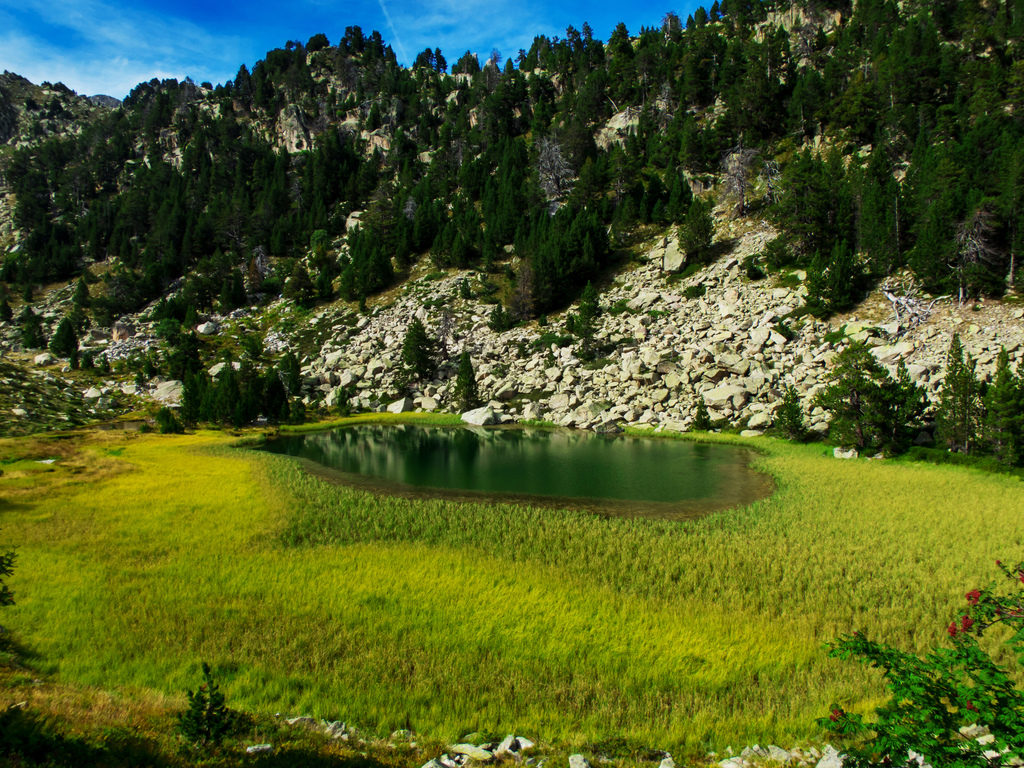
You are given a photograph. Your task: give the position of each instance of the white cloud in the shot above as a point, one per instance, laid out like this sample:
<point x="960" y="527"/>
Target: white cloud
<point x="477" y="25"/>
<point x="94" y="46"/>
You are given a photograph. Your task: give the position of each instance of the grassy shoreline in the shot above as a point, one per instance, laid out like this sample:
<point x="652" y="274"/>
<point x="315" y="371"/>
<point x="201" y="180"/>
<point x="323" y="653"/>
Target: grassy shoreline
<point x="140" y="555"/>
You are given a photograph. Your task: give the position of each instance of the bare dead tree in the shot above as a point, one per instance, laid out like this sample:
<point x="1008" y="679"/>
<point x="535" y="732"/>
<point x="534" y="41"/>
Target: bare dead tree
<point x="771" y="175"/>
<point x="409" y="209"/>
<point x="445" y="331"/>
<point x="974" y="240"/>
<point x="908" y="306"/>
<point x="736" y="170"/>
<point x="553" y="170"/>
<point x="521" y="302"/>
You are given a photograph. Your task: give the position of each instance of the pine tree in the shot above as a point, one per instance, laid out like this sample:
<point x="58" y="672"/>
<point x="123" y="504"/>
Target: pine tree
<point x="466" y="394"/>
<point x="207" y="720"/>
<point x="65" y="340"/>
<point x="1004" y="413"/>
<point x="419" y="352"/>
<point x="960" y="407"/>
<point x="697" y="231"/>
<point x="81" y="296"/>
<point x="790" y="415"/>
<point x="863" y="401"/>
<point x="32" y="336"/>
<point x="299" y="287"/>
<point x="583" y="324"/>
<point x="291" y="373"/>
<point x="701" y="417"/>
<point x="835" y="284"/>
<point x="905" y="403"/>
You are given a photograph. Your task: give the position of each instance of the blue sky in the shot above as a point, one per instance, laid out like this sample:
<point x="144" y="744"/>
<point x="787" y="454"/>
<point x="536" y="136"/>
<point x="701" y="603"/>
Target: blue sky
<point x="103" y="46"/>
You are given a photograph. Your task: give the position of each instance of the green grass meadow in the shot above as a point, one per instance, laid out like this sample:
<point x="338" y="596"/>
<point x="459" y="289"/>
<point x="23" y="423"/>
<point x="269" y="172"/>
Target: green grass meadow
<point x="141" y="555"/>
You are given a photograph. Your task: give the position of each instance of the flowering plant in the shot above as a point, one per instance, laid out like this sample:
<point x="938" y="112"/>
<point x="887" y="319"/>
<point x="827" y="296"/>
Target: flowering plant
<point x="955" y="705"/>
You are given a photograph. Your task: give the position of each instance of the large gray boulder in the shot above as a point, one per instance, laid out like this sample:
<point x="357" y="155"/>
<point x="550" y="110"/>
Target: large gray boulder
<point x="403" y="405"/>
<point x="481" y="417"/>
<point x="726" y="394"/>
<point x="672" y="259"/>
<point x="169" y="392"/>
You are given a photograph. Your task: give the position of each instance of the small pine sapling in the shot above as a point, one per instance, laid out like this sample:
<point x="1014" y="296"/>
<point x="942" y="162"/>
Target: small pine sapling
<point x="701" y="418"/>
<point x="207" y="719"/>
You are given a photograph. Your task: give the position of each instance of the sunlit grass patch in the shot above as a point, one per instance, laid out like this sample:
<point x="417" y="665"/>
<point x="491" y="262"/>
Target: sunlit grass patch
<point x="310" y="598"/>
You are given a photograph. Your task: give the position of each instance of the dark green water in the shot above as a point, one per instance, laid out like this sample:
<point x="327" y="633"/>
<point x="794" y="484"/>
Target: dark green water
<point x="615" y="474"/>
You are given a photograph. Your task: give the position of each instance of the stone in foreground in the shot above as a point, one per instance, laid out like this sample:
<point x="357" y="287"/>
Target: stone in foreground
<point x="473" y="752"/>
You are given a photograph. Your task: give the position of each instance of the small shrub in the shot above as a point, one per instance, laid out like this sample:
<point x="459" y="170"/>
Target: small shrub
<point x="789" y="280"/>
<point x="619" y="307"/>
<point x="836" y="336"/>
<point x="167" y="422"/>
<point x="783" y="329"/>
<point x="753" y="269"/>
<point x="934" y="696"/>
<point x="694" y="291"/>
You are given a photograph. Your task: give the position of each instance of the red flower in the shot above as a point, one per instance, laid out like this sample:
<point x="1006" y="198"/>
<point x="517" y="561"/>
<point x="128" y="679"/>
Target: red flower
<point x="966" y="622"/>
<point x="971" y="707"/>
<point x="973" y="596"/>
<point x="952" y="629"/>
<point x="836" y="714"/>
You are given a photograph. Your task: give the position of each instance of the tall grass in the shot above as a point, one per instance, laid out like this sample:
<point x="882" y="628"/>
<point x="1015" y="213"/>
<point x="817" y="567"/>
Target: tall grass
<point x="311" y="598"/>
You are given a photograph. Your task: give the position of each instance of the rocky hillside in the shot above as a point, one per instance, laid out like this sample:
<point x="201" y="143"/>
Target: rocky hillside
<point x="661" y="347"/>
<point x="321" y="200"/>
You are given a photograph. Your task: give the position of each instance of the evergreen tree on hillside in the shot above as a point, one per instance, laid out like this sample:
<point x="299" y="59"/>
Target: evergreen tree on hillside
<point x="959" y="413"/>
<point x="697" y="231"/>
<point x="868" y="409"/>
<point x="419" y="352"/>
<point x="834" y="284"/>
<point x="466" y="395"/>
<point x="32" y="336"/>
<point x="1004" y="413"/>
<point x="65" y="339"/>
<point x="789" y="417"/>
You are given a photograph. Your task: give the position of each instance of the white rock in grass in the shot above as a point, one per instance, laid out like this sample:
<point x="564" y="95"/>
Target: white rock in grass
<point x="578" y="761"/>
<point x="473" y="752"/>
<point x="667" y="762"/>
<point x="508" y="745"/>
<point x="256" y="749"/>
<point x="843" y="453"/>
<point x="778" y="754"/>
<point x="831" y="758"/>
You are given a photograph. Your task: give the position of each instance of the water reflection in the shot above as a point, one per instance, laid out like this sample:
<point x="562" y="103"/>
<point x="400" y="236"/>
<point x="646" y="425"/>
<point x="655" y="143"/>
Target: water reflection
<point x="614" y="474"/>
